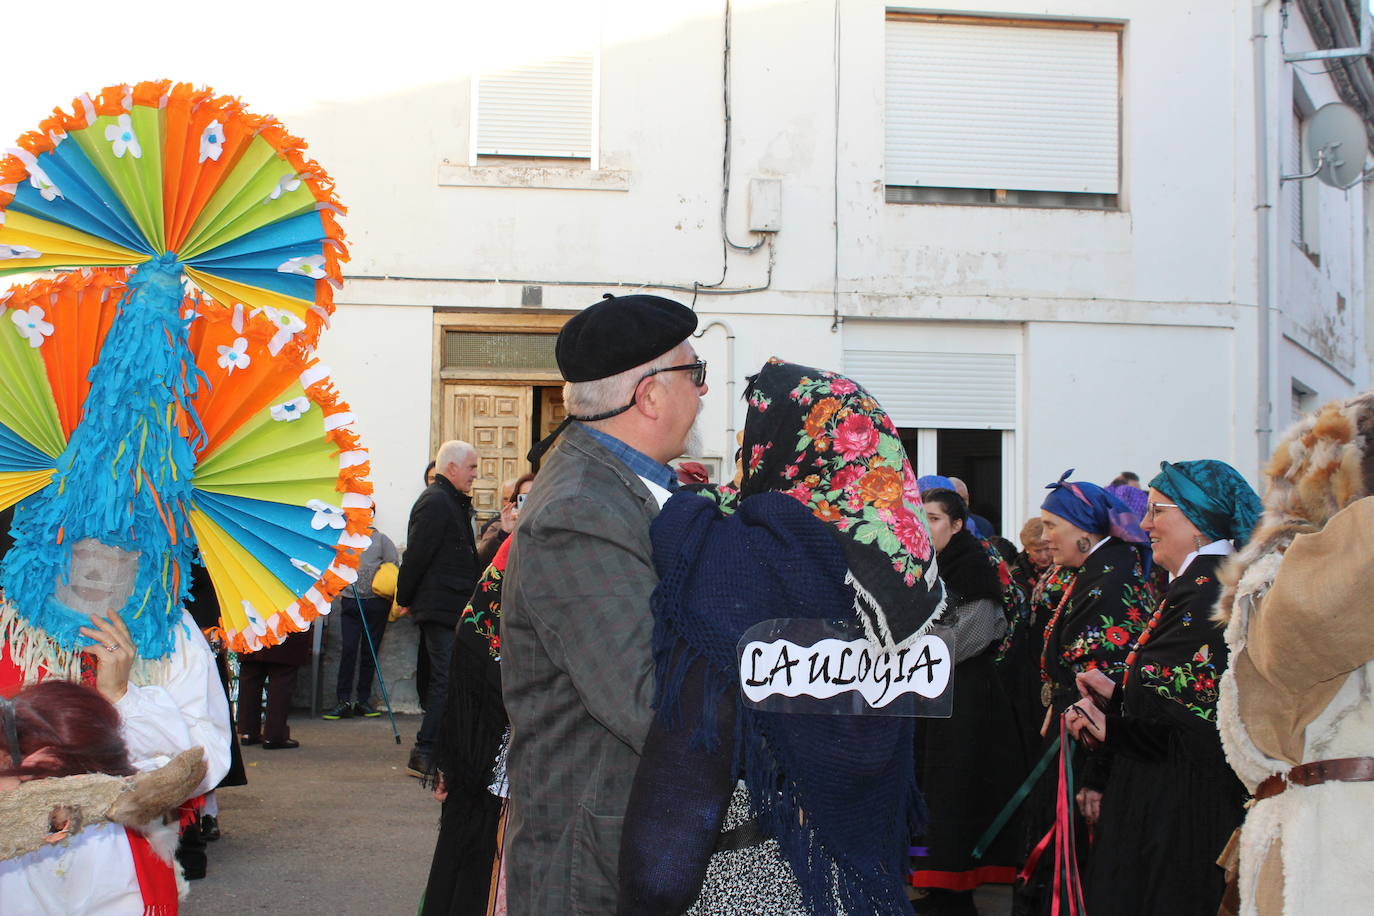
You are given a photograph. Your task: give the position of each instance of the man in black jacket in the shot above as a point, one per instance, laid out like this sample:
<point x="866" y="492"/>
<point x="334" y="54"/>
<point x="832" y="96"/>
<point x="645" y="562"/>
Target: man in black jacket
<point x="438" y="573"/>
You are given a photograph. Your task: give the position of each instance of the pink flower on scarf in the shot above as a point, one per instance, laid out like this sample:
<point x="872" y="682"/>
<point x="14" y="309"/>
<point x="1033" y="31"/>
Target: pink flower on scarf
<point x="911" y="534"/>
<point x="856" y="437"/>
<point x="845" y="476"/>
<point x="843" y="386"/>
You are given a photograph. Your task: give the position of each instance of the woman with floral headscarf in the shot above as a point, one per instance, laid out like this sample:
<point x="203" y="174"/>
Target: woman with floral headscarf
<point x="825" y="523"/>
<point x="1171" y="800"/>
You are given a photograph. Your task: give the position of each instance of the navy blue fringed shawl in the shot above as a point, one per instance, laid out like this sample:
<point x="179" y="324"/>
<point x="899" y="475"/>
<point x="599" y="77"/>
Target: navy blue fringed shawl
<point x="834" y="790"/>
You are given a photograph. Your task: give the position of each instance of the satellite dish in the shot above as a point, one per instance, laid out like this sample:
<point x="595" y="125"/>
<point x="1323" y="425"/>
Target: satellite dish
<point x="1336" y="143"/>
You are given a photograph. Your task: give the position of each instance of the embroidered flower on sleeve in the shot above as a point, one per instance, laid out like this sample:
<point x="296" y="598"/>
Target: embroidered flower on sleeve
<point x="290" y="410"/>
<point x="1117" y="636"/>
<point x="326" y="516"/>
<point x="31" y="326"/>
<point x="235" y="356"/>
<point x="123" y="139"/>
<point x="212" y="141"/>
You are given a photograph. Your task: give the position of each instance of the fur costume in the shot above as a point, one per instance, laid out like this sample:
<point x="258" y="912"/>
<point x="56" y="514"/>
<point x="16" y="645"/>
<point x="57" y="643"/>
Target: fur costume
<point x="1296" y="605"/>
<point x="140" y="801"/>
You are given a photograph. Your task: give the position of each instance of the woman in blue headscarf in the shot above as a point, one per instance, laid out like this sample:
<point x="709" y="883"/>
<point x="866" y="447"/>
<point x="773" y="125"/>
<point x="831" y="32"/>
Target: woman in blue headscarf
<point x="1172" y="799"/>
<point x="1099" y="614"/>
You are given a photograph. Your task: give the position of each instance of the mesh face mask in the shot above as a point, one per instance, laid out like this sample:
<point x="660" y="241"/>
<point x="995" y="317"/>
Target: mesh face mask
<point x="100" y="578"/>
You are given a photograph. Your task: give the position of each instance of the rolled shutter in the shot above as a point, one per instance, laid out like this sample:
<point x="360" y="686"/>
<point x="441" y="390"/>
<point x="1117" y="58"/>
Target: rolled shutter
<point x="544" y="109"/>
<point x="939" y="390"/>
<point x="1002" y="107"/>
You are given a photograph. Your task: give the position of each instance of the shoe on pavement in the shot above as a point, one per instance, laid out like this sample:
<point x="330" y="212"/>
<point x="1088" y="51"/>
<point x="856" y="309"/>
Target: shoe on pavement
<point x="343" y="711"/>
<point x="250" y="739"/>
<point x="209" y="827"/>
<point x="366" y="710"/>
<point x="419" y="764"/>
<point x="283" y="745"/>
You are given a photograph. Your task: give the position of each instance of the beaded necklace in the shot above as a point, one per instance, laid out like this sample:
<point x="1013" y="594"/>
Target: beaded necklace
<point x="1140" y="643"/>
<point x="1046" y="685"/>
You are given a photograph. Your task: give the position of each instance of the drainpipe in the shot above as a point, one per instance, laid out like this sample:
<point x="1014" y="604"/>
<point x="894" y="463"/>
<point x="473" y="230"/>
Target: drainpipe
<point x="729" y="384"/>
<point x="1263" y="223"/>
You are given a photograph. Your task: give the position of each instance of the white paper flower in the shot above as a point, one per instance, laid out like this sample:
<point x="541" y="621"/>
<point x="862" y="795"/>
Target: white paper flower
<point x="255" y="621"/>
<point x="17" y="252"/>
<point x="286" y="185"/>
<point x="311" y="266"/>
<point x="31" y="326"/>
<point x="212" y="141"/>
<point x="326" y="516"/>
<point x="234" y="357"/>
<point x="306" y="567"/>
<point x="39" y="179"/>
<point x="122" y="137"/>
<point x="287" y="325"/>
<point x="290" y="410"/>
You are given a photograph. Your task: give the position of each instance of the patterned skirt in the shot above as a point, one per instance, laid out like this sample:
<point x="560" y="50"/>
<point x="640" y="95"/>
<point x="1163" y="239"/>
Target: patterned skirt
<point x="756" y="881"/>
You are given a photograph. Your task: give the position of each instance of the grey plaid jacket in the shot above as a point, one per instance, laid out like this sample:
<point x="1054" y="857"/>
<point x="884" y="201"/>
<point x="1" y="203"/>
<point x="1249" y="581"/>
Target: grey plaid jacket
<point x="577" y="675"/>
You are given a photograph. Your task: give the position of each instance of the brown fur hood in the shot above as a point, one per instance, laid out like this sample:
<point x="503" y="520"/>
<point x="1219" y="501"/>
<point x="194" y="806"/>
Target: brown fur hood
<point x="1323" y="463"/>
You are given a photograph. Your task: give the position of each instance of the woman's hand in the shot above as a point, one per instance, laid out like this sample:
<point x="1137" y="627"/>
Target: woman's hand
<point x="1090" y="805"/>
<point x="1094" y="683"/>
<point x="1086" y="722"/>
<point x="114" y="650"/>
<point x="440" y="787"/>
<point x="509" y="516"/>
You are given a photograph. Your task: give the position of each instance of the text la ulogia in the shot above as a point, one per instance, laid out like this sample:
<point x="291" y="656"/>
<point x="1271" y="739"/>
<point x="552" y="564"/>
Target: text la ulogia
<point x="781" y="667"/>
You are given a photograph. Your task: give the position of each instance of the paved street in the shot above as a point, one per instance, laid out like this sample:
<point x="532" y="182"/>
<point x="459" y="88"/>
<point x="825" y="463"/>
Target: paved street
<point x="336" y="827"/>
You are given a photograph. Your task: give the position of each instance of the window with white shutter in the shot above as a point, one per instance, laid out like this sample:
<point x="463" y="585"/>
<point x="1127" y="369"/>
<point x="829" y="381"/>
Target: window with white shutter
<point x="537" y="96"/>
<point x="1002" y="112"/>
<point x="540" y="109"/>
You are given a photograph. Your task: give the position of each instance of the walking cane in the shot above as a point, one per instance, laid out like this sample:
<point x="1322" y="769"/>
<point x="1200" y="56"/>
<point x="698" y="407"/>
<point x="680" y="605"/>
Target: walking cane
<point x="377" y="664"/>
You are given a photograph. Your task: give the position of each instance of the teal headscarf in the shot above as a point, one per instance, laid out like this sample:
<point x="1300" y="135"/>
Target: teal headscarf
<point x="1213" y="496"/>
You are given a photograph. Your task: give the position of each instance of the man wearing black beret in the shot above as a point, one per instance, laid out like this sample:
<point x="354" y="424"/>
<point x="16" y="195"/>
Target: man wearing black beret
<point x="576" y="665"/>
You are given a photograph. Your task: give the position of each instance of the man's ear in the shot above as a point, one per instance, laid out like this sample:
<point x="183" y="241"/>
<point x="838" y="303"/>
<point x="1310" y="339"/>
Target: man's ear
<point x="649" y="397"/>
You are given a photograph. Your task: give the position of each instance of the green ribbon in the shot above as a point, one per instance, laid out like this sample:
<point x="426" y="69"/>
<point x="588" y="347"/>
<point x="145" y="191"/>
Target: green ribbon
<point x="1015" y="802"/>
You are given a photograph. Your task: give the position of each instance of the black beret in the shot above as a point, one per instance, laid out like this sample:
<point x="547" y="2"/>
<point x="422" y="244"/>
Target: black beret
<point x="619" y="333"/>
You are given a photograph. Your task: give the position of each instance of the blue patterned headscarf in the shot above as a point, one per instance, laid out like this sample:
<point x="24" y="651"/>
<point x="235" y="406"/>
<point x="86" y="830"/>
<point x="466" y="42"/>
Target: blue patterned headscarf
<point x="1213" y="496"/>
<point x="1088" y="506"/>
<point x="934" y="482"/>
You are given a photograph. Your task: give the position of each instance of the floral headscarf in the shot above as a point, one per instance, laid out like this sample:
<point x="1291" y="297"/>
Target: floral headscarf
<point x="821" y="439"/>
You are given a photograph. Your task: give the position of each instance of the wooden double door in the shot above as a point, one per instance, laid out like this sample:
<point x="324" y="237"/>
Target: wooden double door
<point x="502" y="422"/>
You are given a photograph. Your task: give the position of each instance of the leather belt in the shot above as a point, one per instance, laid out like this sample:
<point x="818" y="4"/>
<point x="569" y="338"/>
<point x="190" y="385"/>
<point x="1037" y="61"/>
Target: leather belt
<point x="1342" y="769"/>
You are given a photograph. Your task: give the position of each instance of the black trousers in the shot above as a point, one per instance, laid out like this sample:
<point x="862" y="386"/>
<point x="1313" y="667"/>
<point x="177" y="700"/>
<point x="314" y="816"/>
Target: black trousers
<point x="353" y="648"/>
<point x="281" y="681"/>
<point x="439" y="643"/>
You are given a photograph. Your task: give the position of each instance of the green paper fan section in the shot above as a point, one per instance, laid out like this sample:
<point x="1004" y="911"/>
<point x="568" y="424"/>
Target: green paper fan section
<point x="136" y="179"/>
<point x="278" y="461"/>
<point x="27" y="404"/>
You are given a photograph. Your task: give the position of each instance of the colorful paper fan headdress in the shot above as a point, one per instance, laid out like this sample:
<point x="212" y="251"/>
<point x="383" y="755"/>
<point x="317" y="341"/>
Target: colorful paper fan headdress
<point x="163" y="406"/>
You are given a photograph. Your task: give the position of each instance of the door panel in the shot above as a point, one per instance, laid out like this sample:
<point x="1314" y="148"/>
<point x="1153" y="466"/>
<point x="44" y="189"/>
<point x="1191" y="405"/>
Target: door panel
<point x="496" y="420"/>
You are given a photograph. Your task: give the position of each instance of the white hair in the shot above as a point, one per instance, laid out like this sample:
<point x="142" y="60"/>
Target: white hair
<point x="588" y="399"/>
<point x="454" y="451"/>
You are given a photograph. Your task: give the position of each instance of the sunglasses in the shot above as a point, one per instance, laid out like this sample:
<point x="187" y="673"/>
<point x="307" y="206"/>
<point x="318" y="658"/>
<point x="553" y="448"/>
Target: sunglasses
<point x="698" y="370"/>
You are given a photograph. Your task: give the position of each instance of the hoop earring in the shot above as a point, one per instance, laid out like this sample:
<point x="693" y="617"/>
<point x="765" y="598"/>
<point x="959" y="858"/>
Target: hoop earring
<point x="1082" y="544"/>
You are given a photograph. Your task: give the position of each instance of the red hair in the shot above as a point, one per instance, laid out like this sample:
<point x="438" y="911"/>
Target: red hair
<point x="76" y="727"/>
